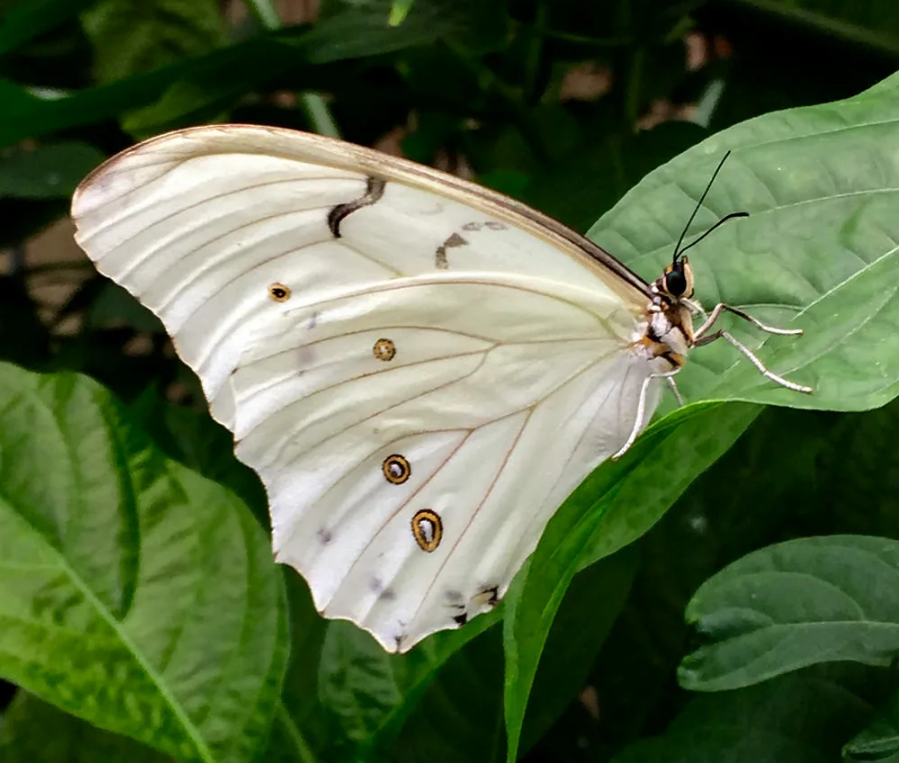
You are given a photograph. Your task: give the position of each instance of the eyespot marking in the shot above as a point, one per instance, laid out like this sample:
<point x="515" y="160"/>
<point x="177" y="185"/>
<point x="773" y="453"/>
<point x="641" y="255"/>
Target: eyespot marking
<point x="384" y="349"/>
<point x="278" y="292"/>
<point x="396" y="469"/>
<point x="427" y="527"/>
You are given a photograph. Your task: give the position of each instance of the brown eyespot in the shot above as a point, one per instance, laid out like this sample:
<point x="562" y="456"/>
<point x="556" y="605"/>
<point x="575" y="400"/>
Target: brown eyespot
<point x="279" y="292"/>
<point x="384" y="349"/>
<point x="396" y="469"/>
<point x="427" y="527"/>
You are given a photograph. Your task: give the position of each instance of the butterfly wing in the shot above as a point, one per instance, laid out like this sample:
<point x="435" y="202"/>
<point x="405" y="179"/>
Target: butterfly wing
<point x="419" y="370"/>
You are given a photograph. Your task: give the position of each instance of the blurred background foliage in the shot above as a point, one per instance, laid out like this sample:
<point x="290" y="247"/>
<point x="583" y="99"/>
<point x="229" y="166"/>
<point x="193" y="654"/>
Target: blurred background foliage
<point x="562" y="103"/>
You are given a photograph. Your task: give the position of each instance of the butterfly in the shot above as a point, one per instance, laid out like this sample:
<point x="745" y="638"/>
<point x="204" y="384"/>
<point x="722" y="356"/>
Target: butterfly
<point x="419" y="369"/>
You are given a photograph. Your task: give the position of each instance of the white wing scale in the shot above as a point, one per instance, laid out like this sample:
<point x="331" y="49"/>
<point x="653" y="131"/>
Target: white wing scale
<point x="510" y="376"/>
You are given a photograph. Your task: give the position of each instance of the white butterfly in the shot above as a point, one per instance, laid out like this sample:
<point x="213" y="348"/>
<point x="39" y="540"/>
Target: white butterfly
<point x="419" y="369"/>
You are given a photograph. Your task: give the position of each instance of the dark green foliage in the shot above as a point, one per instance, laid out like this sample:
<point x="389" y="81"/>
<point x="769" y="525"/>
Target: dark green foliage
<point x="141" y="616"/>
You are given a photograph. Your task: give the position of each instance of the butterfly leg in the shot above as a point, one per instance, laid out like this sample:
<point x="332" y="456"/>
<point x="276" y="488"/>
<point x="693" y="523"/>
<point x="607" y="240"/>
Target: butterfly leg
<point x="763" y="370"/>
<point x="672" y="385"/>
<point x="712" y="319"/>
<point x="641" y="407"/>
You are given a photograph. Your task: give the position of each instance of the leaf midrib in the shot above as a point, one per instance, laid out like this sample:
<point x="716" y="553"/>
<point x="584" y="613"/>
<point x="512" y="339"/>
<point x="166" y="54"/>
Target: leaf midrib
<point x="102" y="610"/>
<point x="190" y="728"/>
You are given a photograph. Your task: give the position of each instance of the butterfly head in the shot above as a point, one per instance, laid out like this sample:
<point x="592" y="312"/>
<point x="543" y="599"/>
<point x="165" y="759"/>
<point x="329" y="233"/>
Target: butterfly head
<point x="676" y="282"/>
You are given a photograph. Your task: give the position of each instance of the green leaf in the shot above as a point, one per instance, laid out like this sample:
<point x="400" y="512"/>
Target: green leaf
<point x="301" y="731"/>
<point x="800" y="218"/>
<point x="36" y="732"/>
<point x="879" y="741"/>
<point x="368" y="693"/>
<point x="202" y="87"/>
<point x="590" y="607"/>
<point x="204" y="445"/>
<point x="801" y="718"/>
<point x="460" y="716"/>
<point x="615" y="505"/>
<point x="131" y="38"/>
<point x="350" y="29"/>
<point x="345" y="31"/>
<point x="592" y="178"/>
<point x="134" y="593"/>
<point x="49" y="171"/>
<point x="819" y="245"/>
<point x="792" y="605"/>
<point x="25" y="22"/>
<point x="36" y="113"/>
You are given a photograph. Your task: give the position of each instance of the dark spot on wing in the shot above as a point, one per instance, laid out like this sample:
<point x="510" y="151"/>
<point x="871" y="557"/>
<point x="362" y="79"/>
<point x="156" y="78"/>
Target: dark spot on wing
<point x="440" y="261"/>
<point x="325" y="536"/>
<point x="487" y="596"/>
<point x="374" y="190"/>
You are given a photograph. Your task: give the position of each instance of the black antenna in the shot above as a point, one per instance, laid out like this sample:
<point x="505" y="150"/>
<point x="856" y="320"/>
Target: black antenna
<point x="677" y="249"/>
<point x="723" y="220"/>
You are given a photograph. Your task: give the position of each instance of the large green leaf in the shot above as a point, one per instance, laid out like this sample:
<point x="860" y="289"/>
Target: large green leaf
<point x="796" y="604"/>
<point x="819" y="245"/>
<point x="819" y="184"/>
<point x="133" y="593"/>
<point x="632" y="495"/>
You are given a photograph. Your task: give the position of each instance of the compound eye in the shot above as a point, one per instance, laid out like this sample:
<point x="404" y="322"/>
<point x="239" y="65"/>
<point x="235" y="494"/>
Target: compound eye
<point x="675" y="283"/>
